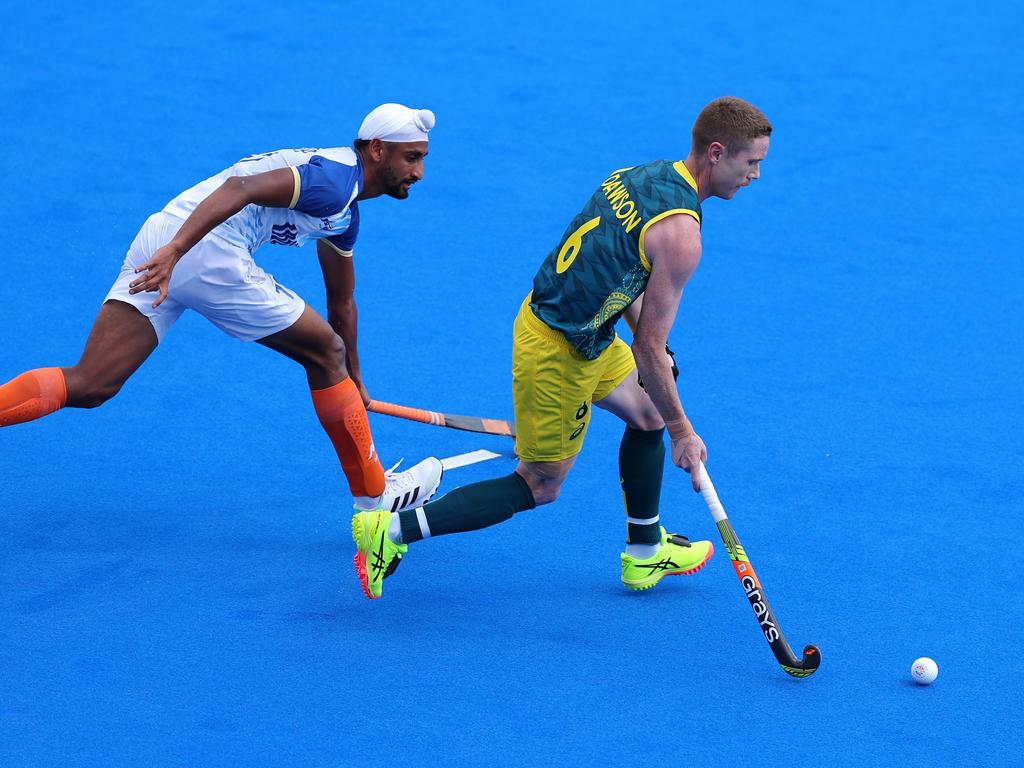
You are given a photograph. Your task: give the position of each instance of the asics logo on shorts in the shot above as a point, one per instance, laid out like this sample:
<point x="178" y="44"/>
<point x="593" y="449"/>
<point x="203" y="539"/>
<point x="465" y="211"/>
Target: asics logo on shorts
<point x="581" y="413"/>
<point x="284" y="234"/>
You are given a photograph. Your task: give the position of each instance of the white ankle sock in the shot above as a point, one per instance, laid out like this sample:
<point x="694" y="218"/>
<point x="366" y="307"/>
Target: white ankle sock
<point x="642" y="551"/>
<point x="395" y="529"/>
<point x="365" y="503"/>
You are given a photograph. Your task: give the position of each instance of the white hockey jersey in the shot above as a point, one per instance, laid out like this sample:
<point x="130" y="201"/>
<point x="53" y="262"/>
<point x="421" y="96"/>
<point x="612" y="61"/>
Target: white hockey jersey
<point x="324" y="205"/>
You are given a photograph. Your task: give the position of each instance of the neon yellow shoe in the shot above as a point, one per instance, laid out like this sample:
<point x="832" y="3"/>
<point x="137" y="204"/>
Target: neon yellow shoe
<point x="676" y="556"/>
<point x="376" y="554"/>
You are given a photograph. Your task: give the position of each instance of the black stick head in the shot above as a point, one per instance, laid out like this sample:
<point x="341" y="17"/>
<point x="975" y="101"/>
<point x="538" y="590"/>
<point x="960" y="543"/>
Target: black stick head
<point x="807" y="665"/>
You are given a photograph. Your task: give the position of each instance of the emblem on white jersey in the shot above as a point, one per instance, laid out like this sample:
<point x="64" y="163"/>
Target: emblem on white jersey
<point x="284" y="234"/>
<point x="337" y="223"/>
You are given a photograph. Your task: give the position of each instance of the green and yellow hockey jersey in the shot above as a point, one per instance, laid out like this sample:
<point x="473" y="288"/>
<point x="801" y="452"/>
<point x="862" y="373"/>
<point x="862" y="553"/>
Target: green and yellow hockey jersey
<point x="599" y="268"/>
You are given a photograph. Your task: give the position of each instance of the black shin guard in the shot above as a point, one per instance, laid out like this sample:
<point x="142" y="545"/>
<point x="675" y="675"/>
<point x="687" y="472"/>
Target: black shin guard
<point x="641" y="466"/>
<point x="468" y="509"/>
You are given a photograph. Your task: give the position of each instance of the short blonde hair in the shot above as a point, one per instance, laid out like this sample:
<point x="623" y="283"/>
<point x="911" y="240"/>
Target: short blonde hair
<point x="729" y="121"/>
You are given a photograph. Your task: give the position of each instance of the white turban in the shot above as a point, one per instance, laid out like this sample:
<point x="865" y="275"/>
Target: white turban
<point x="394" y="122"/>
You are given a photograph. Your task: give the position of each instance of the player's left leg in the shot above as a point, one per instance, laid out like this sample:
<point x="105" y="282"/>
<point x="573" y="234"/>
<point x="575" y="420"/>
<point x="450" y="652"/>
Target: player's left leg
<point x="651" y="553"/>
<point x="230" y="290"/>
<point x="551" y="392"/>
<point x="382" y="538"/>
<point x="312" y="343"/>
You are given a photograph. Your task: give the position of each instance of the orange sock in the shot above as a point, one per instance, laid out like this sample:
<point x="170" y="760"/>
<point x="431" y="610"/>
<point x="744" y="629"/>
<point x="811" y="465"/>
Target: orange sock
<point x="32" y="395"/>
<point x="343" y="416"/>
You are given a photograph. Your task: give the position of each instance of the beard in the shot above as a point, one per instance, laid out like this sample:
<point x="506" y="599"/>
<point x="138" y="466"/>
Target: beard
<point x="394" y="186"/>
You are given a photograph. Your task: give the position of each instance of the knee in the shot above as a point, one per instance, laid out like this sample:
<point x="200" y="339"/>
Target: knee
<point x="647" y="419"/>
<point x="336" y="352"/>
<point x="89" y="392"/>
<point x="336" y="347"/>
<point x="545" y="494"/>
<point x="544" y="489"/>
<point x="330" y="356"/>
<point x="96" y="399"/>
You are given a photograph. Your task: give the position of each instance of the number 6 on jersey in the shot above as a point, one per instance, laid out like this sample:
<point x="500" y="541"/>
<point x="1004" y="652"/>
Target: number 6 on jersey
<point x="567" y="255"/>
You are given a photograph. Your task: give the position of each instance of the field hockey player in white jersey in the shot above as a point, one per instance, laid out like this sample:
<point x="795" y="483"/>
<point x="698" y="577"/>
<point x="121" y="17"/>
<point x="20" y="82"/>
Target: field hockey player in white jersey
<point x="197" y="253"/>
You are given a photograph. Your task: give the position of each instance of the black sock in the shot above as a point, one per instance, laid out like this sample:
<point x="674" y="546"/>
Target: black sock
<point x="641" y="466"/>
<point x="468" y="509"/>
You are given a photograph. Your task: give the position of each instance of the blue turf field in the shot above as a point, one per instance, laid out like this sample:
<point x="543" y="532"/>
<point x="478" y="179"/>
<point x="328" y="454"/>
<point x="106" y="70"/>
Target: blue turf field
<point x="175" y="568"/>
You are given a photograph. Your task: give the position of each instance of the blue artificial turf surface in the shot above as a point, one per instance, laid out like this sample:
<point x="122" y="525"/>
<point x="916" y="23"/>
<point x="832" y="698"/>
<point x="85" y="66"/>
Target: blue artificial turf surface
<point x="175" y="568"/>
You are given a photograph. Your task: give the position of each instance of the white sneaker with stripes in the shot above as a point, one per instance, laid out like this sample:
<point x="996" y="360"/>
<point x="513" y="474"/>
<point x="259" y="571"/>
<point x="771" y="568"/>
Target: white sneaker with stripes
<point x="405" y="490"/>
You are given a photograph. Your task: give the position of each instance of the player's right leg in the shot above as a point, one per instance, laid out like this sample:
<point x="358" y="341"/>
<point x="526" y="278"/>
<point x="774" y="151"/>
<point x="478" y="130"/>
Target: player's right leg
<point x="125" y="333"/>
<point x="651" y="553"/>
<point x="120" y="341"/>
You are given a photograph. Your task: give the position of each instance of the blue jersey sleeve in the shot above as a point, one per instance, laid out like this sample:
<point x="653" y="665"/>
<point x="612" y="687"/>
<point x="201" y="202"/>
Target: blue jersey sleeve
<point x="325" y="186"/>
<point x="346" y="241"/>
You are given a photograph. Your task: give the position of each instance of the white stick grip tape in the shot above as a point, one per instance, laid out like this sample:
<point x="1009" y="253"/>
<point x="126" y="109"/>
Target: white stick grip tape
<point x="707" y="490"/>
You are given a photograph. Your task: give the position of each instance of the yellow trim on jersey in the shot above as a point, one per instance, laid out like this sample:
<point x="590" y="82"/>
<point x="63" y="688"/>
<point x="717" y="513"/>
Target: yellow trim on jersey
<point x="298" y="187"/>
<point x="683" y="171"/>
<point x="346" y="254"/>
<point x="659" y="217"/>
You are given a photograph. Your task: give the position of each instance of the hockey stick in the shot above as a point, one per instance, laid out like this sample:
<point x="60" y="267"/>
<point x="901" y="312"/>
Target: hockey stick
<point x="467" y="423"/>
<point x="804" y="667"/>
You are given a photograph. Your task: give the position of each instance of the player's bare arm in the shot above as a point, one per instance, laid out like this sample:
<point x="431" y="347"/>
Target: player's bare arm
<point x="632" y="313"/>
<point x="674" y="249"/>
<point x="273" y="189"/>
<point x="340" y="284"/>
<point x="632" y="317"/>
